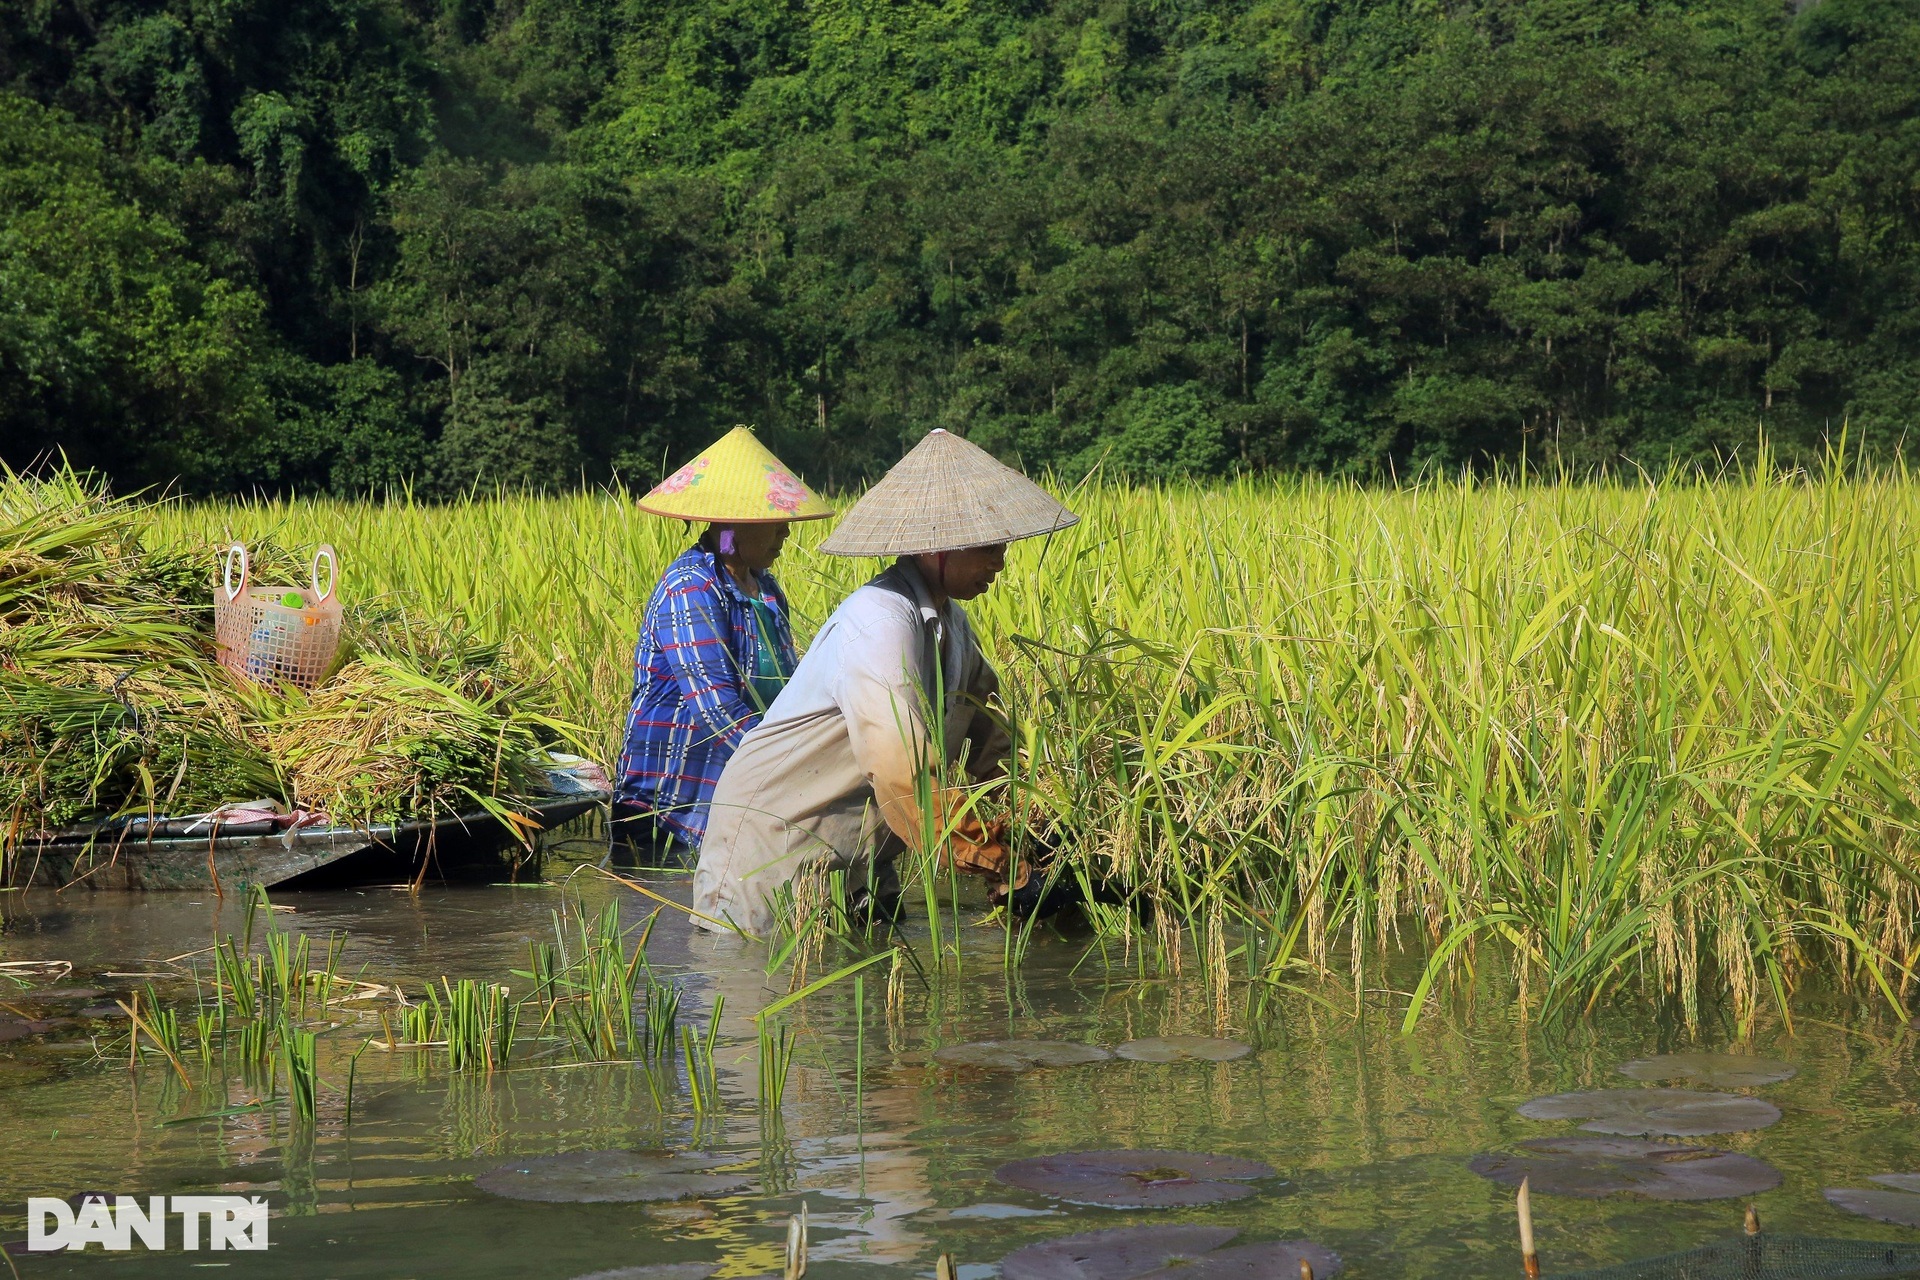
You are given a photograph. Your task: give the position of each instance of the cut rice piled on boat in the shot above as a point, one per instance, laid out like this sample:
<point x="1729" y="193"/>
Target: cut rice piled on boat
<point x="116" y="714"/>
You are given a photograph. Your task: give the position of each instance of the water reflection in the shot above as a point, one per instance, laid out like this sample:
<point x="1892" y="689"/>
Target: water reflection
<point x="1370" y="1129"/>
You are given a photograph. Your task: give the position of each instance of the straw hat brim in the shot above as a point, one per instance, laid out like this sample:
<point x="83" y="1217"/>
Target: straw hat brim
<point x="707" y="519"/>
<point x="947" y="494"/>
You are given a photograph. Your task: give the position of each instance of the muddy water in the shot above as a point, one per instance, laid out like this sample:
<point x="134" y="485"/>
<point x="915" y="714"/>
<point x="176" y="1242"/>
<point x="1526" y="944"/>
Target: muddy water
<point x="1371" y="1130"/>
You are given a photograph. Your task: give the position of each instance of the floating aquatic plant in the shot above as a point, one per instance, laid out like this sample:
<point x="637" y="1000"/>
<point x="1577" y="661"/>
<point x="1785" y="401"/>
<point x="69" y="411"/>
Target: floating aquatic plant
<point x="616" y="1177"/>
<point x="1902" y="1181"/>
<point x="657" y="1271"/>
<point x="1117" y="1253"/>
<point x="1718" y="1070"/>
<point x="1144" y="1179"/>
<point x="1183" y="1049"/>
<point x="1900" y="1205"/>
<point x="1136" y="1253"/>
<point x="1019" y="1055"/>
<point x="1594" y="1167"/>
<point x="21" y="1028"/>
<point x="1674" y="1113"/>
<point x="998" y="1212"/>
<point x="1267" y="1260"/>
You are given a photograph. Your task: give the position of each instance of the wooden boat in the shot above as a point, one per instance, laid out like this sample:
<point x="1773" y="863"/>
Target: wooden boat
<point x="195" y="854"/>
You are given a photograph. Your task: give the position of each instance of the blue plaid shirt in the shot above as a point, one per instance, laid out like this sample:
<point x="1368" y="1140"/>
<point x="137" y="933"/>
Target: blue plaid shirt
<point x="693" y="699"/>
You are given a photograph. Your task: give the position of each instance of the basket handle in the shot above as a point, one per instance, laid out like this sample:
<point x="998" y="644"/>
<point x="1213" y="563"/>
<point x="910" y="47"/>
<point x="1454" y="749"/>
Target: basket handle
<point x="327" y="553"/>
<point x="237" y="550"/>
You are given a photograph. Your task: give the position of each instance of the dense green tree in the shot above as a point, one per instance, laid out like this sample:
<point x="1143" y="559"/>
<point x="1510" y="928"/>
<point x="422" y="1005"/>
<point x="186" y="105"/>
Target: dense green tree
<point x="114" y="344"/>
<point x="360" y="243"/>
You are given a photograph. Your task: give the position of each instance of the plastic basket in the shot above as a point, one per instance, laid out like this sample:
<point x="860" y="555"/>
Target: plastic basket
<point x="259" y="636"/>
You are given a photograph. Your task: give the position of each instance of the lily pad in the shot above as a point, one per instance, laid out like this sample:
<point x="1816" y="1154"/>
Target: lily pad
<point x="656" y="1271"/>
<point x="609" y="1177"/>
<point x="1164" y="1253"/>
<point x="1019" y="1055"/>
<point x="1900" y="1206"/>
<point x="21" y="1028"/>
<point x="1149" y="1179"/>
<point x="1595" y="1167"/>
<point x="1183" y="1049"/>
<point x="1721" y="1070"/>
<point x="1268" y="1260"/>
<point x="997" y="1211"/>
<point x="1119" y="1253"/>
<point x="1676" y="1113"/>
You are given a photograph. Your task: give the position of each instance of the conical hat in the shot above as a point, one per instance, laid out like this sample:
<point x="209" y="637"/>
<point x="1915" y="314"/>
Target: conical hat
<point x="736" y="481"/>
<point x="946" y="494"/>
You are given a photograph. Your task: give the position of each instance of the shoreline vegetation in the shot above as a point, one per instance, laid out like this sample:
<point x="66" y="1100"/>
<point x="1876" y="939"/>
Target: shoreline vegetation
<point x="1651" y="740"/>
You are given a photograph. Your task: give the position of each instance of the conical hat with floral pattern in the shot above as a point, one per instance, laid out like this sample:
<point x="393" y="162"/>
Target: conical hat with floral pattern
<point x="736" y="481"/>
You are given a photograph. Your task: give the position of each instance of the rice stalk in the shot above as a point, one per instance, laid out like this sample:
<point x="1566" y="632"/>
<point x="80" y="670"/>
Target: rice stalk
<point x="1652" y="738"/>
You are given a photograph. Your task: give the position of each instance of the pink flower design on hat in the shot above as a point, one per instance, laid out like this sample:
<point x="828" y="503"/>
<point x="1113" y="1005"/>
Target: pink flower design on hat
<point x="784" y="493"/>
<point x="683" y="479"/>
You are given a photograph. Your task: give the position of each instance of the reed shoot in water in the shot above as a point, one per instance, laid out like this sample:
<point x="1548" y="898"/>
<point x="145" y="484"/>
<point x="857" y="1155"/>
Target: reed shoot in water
<point x="776" y="1059"/>
<point x="300" y="1056"/>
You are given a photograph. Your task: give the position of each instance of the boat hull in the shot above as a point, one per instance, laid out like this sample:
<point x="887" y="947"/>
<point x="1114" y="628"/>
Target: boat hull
<point x="173" y="853"/>
<point x="316" y="857"/>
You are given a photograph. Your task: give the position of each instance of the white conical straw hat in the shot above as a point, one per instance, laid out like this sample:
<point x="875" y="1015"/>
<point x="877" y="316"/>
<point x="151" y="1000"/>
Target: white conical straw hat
<point x="946" y="494"/>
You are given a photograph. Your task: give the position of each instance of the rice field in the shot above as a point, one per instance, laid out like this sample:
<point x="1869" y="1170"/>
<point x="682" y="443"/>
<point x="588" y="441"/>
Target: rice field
<point x="1655" y="740"/>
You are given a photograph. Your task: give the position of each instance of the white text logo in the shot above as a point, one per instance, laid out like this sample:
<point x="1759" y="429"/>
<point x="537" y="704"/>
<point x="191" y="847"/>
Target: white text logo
<point x="232" y="1222"/>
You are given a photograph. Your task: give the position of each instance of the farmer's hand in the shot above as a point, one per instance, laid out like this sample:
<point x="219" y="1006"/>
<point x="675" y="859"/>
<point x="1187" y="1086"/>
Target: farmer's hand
<point x="980" y="850"/>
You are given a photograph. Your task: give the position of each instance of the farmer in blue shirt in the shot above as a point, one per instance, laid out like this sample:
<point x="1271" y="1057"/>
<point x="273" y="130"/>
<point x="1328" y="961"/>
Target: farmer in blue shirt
<point x="715" y="648"/>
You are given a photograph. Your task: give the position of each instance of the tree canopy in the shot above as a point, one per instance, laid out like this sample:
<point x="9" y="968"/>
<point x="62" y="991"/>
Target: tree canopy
<point x="354" y="244"/>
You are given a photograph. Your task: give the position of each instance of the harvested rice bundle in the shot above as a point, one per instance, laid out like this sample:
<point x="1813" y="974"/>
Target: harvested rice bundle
<point x="382" y="741"/>
<point x="105" y="706"/>
<point x="438" y="649"/>
<point x="111" y="702"/>
<point x="75" y="752"/>
<point x="77" y="581"/>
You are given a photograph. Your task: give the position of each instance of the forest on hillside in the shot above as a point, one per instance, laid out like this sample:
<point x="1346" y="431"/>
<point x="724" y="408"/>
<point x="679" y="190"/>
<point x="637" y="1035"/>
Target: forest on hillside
<point x="355" y="244"/>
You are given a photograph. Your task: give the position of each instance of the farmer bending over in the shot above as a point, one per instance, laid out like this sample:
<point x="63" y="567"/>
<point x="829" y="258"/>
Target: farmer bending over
<point x="715" y="645"/>
<point x="828" y="777"/>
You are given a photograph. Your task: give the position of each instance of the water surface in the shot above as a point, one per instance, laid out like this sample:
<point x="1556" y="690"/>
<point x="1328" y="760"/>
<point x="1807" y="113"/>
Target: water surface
<point x="1371" y="1130"/>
